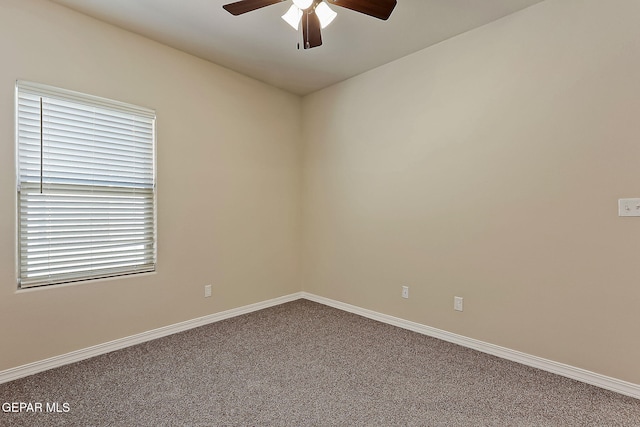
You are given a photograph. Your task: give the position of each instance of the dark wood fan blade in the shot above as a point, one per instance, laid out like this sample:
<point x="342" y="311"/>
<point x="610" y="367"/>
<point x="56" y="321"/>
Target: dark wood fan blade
<point x="380" y="9"/>
<point x="311" y="35"/>
<point x="244" y="6"/>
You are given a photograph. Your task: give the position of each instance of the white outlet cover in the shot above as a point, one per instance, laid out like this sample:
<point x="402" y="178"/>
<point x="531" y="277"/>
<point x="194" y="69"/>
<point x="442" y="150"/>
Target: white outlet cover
<point x="458" y="303"/>
<point x="207" y="291"/>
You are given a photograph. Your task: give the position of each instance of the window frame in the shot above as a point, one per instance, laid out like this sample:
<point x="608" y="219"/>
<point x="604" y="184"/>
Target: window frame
<point x="149" y="223"/>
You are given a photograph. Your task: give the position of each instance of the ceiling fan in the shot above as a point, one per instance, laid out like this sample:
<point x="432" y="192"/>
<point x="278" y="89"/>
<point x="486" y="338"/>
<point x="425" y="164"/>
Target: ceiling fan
<point x="315" y="14"/>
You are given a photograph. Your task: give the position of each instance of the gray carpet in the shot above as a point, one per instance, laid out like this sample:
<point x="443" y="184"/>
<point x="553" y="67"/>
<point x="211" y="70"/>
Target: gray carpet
<point x="305" y="364"/>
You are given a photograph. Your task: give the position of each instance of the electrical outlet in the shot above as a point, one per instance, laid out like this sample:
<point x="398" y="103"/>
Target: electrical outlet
<point x="405" y="292"/>
<point x="207" y="291"/>
<point x="457" y="303"/>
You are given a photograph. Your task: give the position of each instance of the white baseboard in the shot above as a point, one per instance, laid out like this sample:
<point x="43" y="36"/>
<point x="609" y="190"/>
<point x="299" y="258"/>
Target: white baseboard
<point x="602" y="381"/>
<point x="598" y="380"/>
<point x="96" y="350"/>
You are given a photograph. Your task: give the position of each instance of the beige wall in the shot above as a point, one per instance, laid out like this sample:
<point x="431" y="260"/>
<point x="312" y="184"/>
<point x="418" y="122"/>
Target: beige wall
<point x="228" y="183"/>
<point x="489" y="167"/>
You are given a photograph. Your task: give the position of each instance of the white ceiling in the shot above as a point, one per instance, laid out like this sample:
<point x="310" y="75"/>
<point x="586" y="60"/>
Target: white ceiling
<point x="261" y="45"/>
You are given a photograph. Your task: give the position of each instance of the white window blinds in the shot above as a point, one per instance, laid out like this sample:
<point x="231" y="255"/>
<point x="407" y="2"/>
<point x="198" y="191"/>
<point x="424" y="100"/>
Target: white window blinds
<point x="86" y="186"/>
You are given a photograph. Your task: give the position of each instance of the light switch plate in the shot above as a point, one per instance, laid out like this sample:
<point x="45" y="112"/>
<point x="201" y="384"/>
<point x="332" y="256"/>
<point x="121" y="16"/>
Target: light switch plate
<point x="628" y="207"/>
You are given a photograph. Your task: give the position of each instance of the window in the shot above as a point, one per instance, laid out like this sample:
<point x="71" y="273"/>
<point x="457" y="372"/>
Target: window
<point x="86" y="187"/>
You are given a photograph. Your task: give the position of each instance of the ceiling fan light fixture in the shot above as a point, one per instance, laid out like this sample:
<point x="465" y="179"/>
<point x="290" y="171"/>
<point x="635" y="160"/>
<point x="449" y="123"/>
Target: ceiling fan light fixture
<point x="315" y="14"/>
<point x="326" y="15"/>
<point x="303" y="4"/>
<point x="293" y="16"/>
